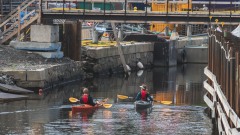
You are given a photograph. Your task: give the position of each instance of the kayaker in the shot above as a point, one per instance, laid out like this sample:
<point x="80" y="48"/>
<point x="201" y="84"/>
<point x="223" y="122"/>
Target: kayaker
<point x="143" y="94"/>
<point x="87" y="99"/>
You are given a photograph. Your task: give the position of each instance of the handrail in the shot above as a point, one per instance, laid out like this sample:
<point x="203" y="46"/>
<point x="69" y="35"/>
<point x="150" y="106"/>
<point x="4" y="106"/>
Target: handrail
<point x="16" y="23"/>
<point x="223" y="101"/>
<point x="13" y="11"/>
<point x="16" y="14"/>
<point x="150" y="1"/>
<point x="22" y="27"/>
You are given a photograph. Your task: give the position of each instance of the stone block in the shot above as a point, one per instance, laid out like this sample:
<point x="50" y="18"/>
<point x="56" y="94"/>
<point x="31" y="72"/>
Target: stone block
<point x="18" y="74"/>
<point x="36" y="75"/>
<point x="58" y="54"/>
<point x="36" y="46"/>
<point x="44" y="33"/>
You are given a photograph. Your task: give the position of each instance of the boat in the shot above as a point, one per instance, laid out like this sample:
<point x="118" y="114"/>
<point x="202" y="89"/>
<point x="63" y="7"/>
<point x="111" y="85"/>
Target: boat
<point x="83" y="107"/>
<point x="142" y="104"/>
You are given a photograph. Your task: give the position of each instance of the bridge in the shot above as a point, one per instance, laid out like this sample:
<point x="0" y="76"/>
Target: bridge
<point x="174" y="14"/>
<point x="152" y="11"/>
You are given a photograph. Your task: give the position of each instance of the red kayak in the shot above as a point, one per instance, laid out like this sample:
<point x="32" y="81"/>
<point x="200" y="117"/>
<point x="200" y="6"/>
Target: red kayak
<point x="83" y="108"/>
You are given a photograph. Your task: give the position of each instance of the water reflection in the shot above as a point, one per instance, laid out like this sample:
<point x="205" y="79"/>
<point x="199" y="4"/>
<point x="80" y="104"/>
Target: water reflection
<point x="51" y="112"/>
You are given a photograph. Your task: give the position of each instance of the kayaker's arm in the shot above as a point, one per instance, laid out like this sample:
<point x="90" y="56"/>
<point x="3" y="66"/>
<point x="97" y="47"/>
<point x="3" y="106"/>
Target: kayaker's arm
<point x="90" y="101"/>
<point x="149" y="96"/>
<point x="138" y="97"/>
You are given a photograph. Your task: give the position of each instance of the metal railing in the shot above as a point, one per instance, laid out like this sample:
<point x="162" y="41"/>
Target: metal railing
<point x="148" y="10"/>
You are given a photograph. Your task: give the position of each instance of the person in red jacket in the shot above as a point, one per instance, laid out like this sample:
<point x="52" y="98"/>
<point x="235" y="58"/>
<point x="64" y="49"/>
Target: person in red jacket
<point x="87" y="99"/>
<point x="143" y="94"/>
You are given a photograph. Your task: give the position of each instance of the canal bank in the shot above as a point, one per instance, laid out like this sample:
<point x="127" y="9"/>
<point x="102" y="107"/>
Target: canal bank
<point x="140" y="51"/>
<point x="30" y="70"/>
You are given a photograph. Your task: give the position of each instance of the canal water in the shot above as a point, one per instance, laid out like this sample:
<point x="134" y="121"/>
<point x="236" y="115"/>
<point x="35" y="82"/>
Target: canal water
<point x="50" y="112"/>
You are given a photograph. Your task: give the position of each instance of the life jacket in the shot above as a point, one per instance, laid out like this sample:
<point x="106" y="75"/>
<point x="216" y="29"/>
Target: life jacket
<point x="144" y="95"/>
<point x="85" y="98"/>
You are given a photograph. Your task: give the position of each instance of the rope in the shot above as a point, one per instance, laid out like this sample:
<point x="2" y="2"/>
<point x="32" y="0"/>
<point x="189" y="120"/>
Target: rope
<point x="227" y="53"/>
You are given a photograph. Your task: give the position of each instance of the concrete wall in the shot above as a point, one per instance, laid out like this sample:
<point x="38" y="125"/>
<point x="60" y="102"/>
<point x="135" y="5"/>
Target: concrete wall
<point x="165" y="53"/>
<point x="191" y="41"/>
<point x="192" y="50"/>
<point x="196" y="54"/>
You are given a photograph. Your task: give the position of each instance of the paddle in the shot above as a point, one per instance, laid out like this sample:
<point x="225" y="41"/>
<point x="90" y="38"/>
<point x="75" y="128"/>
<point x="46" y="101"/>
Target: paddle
<point x="123" y="97"/>
<point x="162" y="102"/>
<point x="74" y="100"/>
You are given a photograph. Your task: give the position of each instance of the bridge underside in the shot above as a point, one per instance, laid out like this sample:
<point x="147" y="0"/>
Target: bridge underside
<point x="180" y="19"/>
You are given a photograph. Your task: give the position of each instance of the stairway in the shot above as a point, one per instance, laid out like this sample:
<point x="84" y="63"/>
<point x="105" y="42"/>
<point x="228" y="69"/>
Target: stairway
<point x="10" y="23"/>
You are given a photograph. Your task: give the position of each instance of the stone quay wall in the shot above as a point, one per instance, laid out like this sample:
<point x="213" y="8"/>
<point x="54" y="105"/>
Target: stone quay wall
<point x="46" y="77"/>
<point x="107" y="59"/>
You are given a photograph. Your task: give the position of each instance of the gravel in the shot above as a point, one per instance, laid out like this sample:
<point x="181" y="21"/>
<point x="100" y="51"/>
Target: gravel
<point x="11" y="58"/>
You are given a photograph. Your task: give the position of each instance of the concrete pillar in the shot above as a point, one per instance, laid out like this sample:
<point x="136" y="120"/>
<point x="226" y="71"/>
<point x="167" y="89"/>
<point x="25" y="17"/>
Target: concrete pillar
<point x="120" y="35"/>
<point x="189" y="30"/>
<point x="94" y="36"/>
<point x="166" y="31"/>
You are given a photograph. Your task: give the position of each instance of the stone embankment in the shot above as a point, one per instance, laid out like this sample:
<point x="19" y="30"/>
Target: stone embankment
<point x="27" y="69"/>
<point x="106" y="60"/>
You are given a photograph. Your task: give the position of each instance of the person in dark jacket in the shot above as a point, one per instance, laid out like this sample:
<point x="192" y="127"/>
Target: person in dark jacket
<point x="87" y="99"/>
<point x="143" y="94"/>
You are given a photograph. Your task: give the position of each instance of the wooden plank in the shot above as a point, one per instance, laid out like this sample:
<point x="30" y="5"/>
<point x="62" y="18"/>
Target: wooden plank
<point x="209" y="74"/>
<point x="220" y="128"/>
<point x="223" y="118"/>
<point x="208" y="102"/>
<point x="234" y="131"/>
<point x="14" y="89"/>
<point x="209" y="88"/>
<point x="230" y="113"/>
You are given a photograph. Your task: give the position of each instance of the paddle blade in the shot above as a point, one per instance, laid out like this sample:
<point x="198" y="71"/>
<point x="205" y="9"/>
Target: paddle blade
<point x="166" y="102"/>
<point x="107" y="105"/>
<point x="122" y="97"/>
<point x="73" y="100"/>
<point x="163" y="102"/>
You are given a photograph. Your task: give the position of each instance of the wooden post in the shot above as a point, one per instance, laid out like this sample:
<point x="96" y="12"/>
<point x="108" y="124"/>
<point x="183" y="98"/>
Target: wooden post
<point x="40" y="12"/>
<point x="231" y="79"/>
<point x="1" y="7"/>
<point x="71" y="44"/>
<point x="119" y="48"/>
<point x="19" y="23"/>
<point x="10" y="5"/>
<point x="237" y="84"/>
